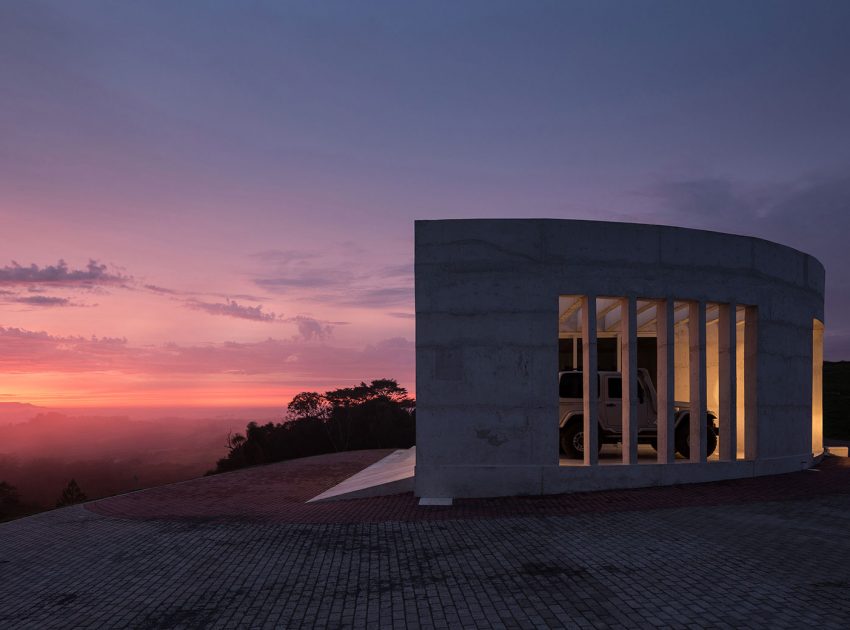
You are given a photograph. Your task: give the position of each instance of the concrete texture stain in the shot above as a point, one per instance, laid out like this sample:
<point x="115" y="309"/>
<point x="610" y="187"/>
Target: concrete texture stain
<point x="492" y="438"/>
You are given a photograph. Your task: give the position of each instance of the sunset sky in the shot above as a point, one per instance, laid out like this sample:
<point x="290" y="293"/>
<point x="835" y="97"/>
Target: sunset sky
<point x="212" y="203"/>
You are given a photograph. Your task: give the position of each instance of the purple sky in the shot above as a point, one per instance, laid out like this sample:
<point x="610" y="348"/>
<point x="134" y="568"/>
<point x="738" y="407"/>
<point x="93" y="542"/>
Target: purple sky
<point x="249" y="172"/>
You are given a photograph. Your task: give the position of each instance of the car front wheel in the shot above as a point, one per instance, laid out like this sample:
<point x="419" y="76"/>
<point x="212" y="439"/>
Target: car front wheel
<point x="572" y="440"/>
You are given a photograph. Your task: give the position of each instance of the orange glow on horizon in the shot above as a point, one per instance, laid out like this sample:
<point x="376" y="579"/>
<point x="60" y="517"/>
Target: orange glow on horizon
<point x="92" y="390"/>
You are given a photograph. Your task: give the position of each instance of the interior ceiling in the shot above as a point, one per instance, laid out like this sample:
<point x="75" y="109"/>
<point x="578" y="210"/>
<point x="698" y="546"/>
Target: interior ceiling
<point x="609" y="314"/>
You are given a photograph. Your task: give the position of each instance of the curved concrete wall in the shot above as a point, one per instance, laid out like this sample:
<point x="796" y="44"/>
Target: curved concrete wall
<point x="486" y="352"/>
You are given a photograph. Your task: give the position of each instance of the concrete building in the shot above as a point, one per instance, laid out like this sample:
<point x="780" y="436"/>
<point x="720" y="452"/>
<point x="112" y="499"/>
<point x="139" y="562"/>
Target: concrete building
<point x="726" y="327"/>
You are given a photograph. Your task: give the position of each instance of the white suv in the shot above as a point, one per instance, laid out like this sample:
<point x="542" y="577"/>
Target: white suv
<point x="610" y="393"/>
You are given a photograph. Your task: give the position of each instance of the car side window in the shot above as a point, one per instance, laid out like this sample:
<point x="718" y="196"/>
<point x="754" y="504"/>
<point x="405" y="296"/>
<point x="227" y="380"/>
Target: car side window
<point x="615" y="389"/>
<point x="571" y="385"/>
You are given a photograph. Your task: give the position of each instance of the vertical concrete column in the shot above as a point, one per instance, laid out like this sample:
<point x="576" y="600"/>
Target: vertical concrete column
<point x="628" y="369"/>
<point x="666" y="362"/>
<point x="727" y="385"/>
<point x="751" y="382"/>
<point x="696" y="357"/>
<point x="589" y="374"/>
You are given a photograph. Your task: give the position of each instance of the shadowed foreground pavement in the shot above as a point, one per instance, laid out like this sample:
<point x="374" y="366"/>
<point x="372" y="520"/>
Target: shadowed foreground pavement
<point x="726" y="554"/>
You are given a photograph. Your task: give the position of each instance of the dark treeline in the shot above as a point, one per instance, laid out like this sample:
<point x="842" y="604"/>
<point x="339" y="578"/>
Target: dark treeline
<point x="836" y="400"/>
<point x="374" y="415"/>
<point x="13" y="505"/>
<point x="29" y="486"/>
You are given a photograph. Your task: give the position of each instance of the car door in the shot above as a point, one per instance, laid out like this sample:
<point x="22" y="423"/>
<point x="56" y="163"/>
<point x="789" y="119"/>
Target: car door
<point x="646" y="415"/>
<point x="612" y="404"/>
<point x="570" y="393"/>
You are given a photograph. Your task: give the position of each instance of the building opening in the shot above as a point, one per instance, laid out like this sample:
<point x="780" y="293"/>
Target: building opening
<point x="650" y="356"/>
<point x="817" y="387"/>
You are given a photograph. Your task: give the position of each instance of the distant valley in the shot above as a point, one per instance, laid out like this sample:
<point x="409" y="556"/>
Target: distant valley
<point x="42" y="449"/>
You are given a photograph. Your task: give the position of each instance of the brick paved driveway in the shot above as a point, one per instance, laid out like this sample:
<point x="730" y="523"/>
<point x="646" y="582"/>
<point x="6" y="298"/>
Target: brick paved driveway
<point x="717" y="562"/>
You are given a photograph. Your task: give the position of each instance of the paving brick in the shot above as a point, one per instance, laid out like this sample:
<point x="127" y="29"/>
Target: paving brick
<point x="243" y="550"/>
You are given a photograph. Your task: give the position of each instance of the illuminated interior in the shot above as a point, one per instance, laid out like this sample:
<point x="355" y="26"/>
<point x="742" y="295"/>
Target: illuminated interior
<point x="725" y="390"/>
<point x="817" y="387"/>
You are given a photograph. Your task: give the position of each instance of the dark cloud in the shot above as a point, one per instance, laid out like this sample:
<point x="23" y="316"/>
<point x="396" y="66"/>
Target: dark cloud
<point x="238" y="296"/>
<point x="290" y="269"/>
<point x="311" y="329"/>
<point x="37" y="299"/>
<point x="232" y="309"/>
<point x="307" y="278"/>
<point x="402" y="315"/>
<point x="162" y="290"/>
<point x="377" y="298"/>
<point x="806" y="210"/>
<point x="396" y="271"/>
<point x="284" y="256"/>
<point x="347" y="283"/>
<point x="393" y="344"/>
<point x="810" y="213"/>
<point x="94" y="275"/>
<point x="707" y="201"/>
<point x="44" y="300"/>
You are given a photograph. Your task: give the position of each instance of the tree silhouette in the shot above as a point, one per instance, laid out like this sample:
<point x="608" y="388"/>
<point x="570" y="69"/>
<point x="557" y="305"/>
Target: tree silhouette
<point x="71" y="495"/>
<point x="374" y="415"/>
<point x="308" y="405"/>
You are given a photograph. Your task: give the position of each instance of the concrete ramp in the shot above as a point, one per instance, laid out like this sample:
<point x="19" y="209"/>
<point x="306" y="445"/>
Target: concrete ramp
<point x="391" y="475"/>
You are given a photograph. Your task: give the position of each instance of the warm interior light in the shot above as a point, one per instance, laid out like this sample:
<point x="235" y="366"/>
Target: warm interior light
<point x="817" y="387"/>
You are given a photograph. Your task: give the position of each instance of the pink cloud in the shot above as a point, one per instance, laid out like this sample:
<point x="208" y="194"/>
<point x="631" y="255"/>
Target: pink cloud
<point x="23" y="351"/>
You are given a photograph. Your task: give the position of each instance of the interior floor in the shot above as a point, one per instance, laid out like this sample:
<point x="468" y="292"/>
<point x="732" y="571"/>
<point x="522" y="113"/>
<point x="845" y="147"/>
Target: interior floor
<point x="613" y="454"/>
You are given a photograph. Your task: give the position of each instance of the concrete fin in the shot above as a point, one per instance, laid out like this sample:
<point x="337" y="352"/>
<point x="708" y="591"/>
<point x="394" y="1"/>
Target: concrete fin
<point x="391" y="475"/>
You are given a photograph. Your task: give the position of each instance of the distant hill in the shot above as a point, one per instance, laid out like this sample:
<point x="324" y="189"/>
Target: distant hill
<point x="63" y="436"/>
<point x="14" y="412"/>
<point x="836" y="400"/>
